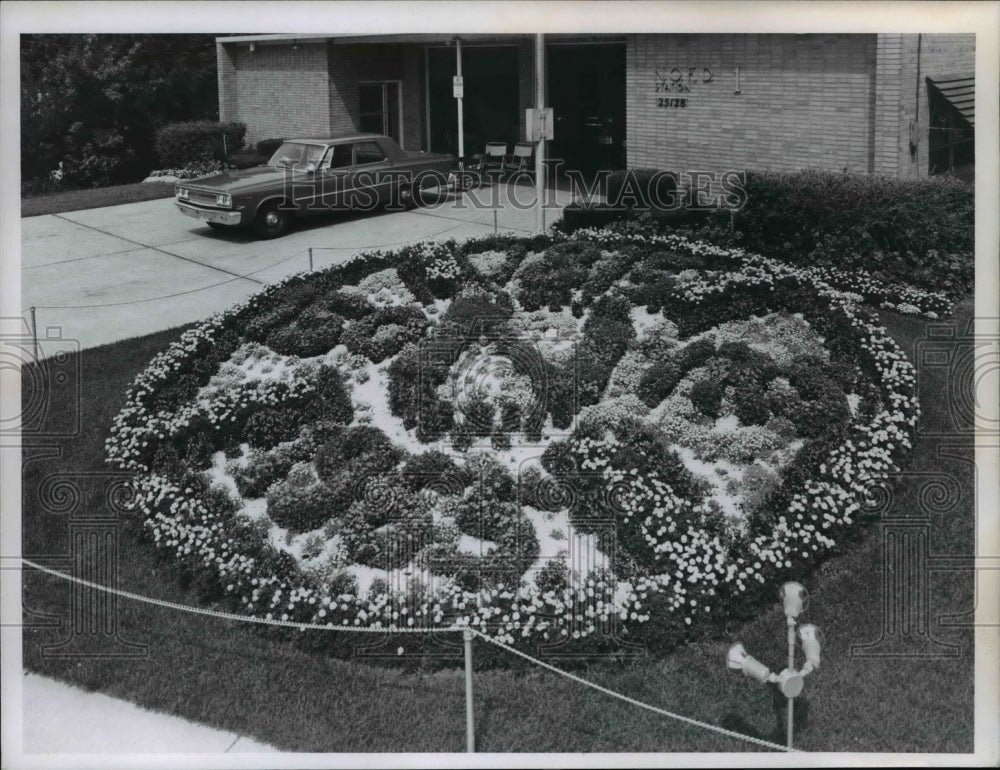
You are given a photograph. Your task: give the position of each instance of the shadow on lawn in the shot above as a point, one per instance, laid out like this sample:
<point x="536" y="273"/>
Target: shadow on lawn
<point x="779" y="710"/>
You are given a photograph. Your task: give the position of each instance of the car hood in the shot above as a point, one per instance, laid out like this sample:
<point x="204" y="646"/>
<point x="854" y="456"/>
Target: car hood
<point x="245" y="180"/>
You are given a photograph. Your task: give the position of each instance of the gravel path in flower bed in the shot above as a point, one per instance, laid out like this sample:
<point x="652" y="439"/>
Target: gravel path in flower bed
<point x="584" y="440"/>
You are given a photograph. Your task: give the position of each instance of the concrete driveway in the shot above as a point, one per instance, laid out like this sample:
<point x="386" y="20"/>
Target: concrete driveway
<point x="102" y="275"/>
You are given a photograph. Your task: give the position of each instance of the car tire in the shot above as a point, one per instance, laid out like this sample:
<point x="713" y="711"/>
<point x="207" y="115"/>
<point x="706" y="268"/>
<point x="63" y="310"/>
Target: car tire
<point x="272" y="221"/>
<point x="406" y="197"/>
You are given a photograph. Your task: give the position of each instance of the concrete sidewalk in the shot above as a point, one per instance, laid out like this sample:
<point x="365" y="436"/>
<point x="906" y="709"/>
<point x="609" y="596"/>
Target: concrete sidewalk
<point x="102" y="275"/>
<point x="60" y="719"/>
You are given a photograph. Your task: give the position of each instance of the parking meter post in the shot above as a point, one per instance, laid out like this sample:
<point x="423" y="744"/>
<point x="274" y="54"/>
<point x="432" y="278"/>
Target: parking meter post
<point x="470" y="729"/>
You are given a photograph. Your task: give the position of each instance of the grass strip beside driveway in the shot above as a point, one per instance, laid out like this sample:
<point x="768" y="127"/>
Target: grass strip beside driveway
<point x="78" y="200"/>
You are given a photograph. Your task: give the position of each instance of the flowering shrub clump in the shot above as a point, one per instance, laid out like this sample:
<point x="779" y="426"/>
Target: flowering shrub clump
<point x="324" y="453"/>
<point x="195" y="171"/>
<point x="489" y="263"/>
<point x="431" y="269"/>
<point x="385" y="289"/>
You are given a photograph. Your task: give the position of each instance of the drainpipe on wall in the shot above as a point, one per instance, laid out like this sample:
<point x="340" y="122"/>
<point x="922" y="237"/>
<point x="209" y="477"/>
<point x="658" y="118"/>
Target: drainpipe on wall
<point x="915" y="125"/>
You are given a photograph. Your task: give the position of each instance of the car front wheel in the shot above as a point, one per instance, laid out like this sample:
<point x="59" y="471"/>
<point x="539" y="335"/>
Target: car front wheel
<point x="272" y="221"/>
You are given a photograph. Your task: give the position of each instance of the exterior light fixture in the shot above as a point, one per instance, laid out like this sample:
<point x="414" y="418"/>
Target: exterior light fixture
<point x="791" y="681"/>
<point x="253" y="47"/>
<point x="740" y="660"/>
<point x="809" y="635"/>
<point x="794" y="597"/>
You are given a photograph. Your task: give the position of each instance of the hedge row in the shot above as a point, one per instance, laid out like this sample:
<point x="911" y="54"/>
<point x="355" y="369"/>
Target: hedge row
<point x="179" y="145"/>
<point x="916" y="231"/>
<point x="829" y="215"/>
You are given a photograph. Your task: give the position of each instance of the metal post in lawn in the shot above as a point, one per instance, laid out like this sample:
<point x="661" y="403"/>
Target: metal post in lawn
<point x="470" y="727"/>
<point x="310" y="259"/>
<point x="34" y="333"/>
<point x="791" y="680"/>
<point x="791" y="667"/>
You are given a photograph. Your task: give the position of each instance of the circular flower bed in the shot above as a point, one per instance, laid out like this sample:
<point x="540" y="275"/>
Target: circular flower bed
<point x="598" y="439"/>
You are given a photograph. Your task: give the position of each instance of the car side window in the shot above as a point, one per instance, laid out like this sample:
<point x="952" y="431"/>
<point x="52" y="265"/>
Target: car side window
<point x="369" y="152"/>
<point x="340" y="156"/>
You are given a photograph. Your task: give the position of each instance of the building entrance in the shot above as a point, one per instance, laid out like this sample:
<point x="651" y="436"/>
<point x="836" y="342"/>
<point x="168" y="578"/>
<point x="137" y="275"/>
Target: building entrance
<point x="586" y="90"/>
<point x="490" y="101"/>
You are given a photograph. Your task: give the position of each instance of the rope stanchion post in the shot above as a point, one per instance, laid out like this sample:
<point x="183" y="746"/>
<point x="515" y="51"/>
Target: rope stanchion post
<point x="470" y="724"/>
<point x="34" y="333"/>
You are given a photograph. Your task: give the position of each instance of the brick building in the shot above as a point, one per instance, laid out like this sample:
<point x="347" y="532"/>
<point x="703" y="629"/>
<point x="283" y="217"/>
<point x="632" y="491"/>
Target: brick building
<point x="892" y="104"/>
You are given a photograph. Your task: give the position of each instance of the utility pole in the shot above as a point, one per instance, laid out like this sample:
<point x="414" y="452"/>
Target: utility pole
<point x="458" y="90"/>
<point x="540" y="147"/>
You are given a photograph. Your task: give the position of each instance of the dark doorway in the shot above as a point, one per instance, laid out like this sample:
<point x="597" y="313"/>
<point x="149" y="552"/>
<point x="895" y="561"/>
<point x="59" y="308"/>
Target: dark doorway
<point x="586" y="90"/>
<point x="380" y="108"/>
<point x="490" y="102"/>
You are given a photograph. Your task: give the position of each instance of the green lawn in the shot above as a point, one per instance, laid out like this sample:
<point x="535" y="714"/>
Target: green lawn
<point x="77" y="200"/>
<point x="228" y="675"/>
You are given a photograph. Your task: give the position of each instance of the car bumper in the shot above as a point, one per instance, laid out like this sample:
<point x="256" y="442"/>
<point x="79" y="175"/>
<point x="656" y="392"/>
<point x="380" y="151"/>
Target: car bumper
<point x="210" y="215"/>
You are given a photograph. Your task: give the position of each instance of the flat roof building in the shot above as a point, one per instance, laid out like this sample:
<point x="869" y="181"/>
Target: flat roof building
<point x="899" y="105"/>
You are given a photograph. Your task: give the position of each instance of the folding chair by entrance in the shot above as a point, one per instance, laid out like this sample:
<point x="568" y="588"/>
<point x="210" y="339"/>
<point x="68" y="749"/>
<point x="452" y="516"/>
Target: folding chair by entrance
<point x="522" y="160"/>
<point x="495" y="158"/>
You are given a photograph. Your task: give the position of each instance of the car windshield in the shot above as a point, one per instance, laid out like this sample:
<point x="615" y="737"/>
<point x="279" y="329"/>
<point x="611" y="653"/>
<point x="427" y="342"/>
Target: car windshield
<point x="297" y="155"/>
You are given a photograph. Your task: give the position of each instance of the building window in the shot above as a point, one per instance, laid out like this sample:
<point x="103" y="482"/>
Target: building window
<point x="380" y="109"/>
<point x="952" y="140"/>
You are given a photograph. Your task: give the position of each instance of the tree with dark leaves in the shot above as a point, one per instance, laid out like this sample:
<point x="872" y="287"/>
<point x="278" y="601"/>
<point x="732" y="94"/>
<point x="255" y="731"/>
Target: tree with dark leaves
<point x="92" y="102"/>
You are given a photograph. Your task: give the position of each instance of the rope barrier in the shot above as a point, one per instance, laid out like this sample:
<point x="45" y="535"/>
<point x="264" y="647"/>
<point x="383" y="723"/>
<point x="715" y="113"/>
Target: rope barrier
<point x="633" y="701"/>
<point x="232" y="616"/>
<point x="394" y="629"/>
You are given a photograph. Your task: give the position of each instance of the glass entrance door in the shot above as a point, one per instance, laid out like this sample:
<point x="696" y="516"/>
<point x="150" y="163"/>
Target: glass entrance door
<point x="586" y="90"/>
